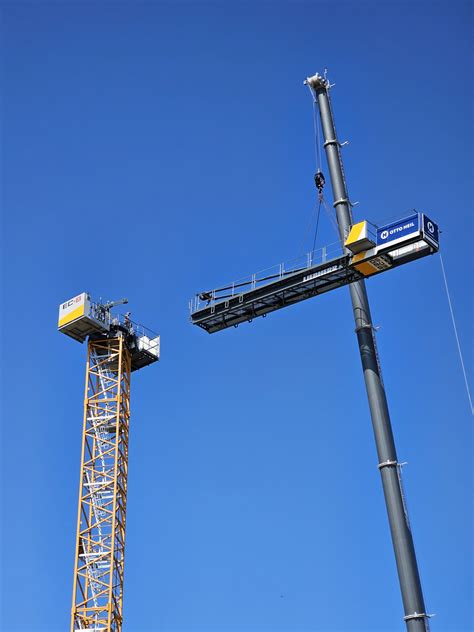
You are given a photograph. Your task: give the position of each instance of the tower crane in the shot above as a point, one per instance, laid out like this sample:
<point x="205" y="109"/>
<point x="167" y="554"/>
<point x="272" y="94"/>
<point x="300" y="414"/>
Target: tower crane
<point x="116" y="347"/>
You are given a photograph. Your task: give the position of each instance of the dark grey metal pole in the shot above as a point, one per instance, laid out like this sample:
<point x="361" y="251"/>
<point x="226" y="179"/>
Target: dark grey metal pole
<point x="415" y="616"/>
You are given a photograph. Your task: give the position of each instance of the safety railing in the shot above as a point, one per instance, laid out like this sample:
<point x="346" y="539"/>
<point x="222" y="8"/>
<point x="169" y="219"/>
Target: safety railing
<point x="266" y="276"/>
<point x="281" y="270"/>
<point x="147" y="339"/>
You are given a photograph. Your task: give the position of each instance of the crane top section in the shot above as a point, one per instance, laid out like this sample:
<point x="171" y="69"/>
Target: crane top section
<point x="81" y="318"/>
<point x="317" y="81"/>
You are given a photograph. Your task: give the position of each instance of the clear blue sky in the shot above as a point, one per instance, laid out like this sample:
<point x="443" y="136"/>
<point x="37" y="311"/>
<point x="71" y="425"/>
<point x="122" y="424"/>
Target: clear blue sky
<point x="154" y="149"/>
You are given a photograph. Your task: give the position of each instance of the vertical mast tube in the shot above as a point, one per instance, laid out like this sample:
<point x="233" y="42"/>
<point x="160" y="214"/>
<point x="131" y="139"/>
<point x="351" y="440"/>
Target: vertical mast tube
<point x="415" y="618"/>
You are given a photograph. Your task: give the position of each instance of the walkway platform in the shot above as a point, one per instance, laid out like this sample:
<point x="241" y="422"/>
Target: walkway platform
<point x="395" y="244"/>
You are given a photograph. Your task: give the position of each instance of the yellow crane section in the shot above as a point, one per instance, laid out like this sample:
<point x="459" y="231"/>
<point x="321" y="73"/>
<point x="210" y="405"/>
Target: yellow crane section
<point x="116" y="347"/>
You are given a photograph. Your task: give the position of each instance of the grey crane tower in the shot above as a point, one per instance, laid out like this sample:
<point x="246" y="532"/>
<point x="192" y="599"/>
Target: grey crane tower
<point x="409" y="577"/>
<point x="363" y="253"/>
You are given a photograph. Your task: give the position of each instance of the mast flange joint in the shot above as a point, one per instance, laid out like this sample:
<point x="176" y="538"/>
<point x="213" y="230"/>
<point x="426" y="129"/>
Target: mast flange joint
<point x="416" y="615"/>
<point x="387" y="464"/>
<point x="344" y="201"/>
<point x="364" y="326"/>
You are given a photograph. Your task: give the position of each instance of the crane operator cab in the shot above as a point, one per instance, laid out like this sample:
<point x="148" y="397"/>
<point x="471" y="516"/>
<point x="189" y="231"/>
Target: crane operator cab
<point x="81" y="318"/>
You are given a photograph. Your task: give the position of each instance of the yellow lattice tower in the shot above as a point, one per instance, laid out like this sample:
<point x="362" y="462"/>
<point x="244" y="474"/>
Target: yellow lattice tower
<point x="116" y="347"/>
<point x="100" y="540"/>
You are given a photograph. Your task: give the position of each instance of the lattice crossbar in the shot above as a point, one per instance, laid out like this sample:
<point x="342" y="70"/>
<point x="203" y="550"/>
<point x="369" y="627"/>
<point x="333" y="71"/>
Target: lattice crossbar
<point x="100" y="542"/>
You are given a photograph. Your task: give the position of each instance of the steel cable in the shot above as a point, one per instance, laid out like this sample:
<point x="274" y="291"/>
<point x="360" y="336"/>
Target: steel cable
<point x="468" y="390"/>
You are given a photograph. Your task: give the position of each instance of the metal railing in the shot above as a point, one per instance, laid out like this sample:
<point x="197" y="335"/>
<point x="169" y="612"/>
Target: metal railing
<point x="266" y="276"/>
<point x="281" y="270"/>
<point x="147" y="339"/>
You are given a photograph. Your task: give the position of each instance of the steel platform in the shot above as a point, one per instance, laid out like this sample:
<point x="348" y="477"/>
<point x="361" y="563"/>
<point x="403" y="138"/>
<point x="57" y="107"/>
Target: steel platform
<point x="262" y="294"/>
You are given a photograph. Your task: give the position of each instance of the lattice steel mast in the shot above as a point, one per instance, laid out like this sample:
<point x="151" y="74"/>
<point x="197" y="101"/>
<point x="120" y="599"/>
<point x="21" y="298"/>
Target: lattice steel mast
<point x="98" y="570"/>
<point x="116" y="347"/>
<point x="415" y="615"/>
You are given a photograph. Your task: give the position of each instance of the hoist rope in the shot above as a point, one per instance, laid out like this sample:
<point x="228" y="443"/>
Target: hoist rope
<point x="308" y="228"/>
<point x="468" y="390"/>
<point x="330" y="214"/>
<point x="317" y="142"/>
<point x="317" y="225"/>
<point x="320" y="183"/>
<point x="319" y="178"/>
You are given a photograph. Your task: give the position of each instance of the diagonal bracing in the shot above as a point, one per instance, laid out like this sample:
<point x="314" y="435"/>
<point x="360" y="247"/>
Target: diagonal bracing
<point x="100" y="541"/>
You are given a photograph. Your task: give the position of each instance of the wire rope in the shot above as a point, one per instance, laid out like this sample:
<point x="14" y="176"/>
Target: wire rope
<point x="317" y="225"/>
<point x="317" y="142"/>
<point x="308" y="229"/>
<point x="330" y="216"/>
<point x="468" y="390"/>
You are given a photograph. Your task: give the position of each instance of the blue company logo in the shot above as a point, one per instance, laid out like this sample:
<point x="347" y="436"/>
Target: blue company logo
<point x="430" y="229"/>
<point x="396" y="230"/>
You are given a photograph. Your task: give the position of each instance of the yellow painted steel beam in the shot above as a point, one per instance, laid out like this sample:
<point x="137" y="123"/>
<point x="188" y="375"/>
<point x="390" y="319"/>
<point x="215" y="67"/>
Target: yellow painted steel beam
<point x="100" y="537"/>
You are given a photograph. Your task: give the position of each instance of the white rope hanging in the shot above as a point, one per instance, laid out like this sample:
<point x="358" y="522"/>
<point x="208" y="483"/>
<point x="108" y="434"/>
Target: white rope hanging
<point x="468" y="390"/>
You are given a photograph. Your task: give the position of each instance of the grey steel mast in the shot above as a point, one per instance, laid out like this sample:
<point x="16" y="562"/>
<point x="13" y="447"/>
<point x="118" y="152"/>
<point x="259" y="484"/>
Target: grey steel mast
<point x="415" y="615"/>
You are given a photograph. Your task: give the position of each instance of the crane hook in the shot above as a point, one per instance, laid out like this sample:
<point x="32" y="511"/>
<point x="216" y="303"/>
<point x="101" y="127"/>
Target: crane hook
<point x="319" y="181"/>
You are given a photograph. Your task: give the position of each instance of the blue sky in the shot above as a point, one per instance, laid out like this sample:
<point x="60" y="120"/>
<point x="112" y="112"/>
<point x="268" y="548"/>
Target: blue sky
<point x="154" y="149"/>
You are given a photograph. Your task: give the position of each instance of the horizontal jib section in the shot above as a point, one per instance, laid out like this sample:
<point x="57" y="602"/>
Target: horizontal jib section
<point x="399" y="229"/>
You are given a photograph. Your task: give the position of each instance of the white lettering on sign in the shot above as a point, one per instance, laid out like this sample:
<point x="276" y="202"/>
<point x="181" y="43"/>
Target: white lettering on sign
<point x="398" y="229"/>
<point x="320" y="273"/>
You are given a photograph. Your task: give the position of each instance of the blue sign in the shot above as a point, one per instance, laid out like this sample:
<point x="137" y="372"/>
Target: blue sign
<point x="402" y="228"/>
<point x="430" y="230"/>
